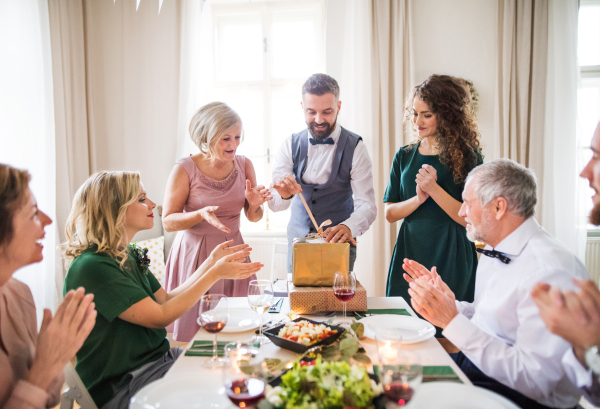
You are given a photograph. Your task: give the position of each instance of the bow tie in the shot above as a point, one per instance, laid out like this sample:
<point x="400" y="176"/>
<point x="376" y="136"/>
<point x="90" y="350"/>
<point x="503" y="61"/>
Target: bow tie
<point x="494" y="254"/>
<point x="326" y="141"/>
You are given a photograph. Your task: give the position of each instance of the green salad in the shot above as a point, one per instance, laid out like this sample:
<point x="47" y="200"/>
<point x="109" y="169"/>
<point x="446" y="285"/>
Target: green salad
<point x="324" y="385"/>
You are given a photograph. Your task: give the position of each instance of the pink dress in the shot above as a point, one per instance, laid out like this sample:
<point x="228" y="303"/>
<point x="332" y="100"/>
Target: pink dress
<point x="192" y="246"/>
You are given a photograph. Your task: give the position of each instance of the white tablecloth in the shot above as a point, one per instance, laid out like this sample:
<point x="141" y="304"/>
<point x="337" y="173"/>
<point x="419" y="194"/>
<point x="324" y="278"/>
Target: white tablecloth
<point x="430" y="352"/>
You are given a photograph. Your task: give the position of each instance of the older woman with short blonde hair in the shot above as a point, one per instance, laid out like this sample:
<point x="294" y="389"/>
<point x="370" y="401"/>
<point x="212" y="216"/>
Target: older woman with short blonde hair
<point x="128" y="347"/>
<point x="204" y="198"/>
<point x="31" y="364"/>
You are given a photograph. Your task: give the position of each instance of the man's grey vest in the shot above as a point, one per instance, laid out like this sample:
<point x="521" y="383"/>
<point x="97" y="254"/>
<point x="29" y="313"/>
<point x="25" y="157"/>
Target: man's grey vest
<point x="332" y="200"/>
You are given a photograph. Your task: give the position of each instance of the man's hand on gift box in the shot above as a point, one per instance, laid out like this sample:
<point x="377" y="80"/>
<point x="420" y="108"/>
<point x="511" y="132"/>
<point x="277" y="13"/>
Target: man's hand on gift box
<point x="287" y="186"/>
<point x="339" y="234"/>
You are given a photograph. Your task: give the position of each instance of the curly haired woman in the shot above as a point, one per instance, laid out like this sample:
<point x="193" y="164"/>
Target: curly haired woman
<point x="426" y="184"/>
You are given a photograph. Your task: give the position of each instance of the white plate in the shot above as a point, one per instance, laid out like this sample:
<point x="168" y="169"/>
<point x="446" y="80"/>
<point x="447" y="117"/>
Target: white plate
<point x="413" y="329"/>
<point x="452" y="395"/>
<point x="243" y="319"/>
<point x="190" y="392"/>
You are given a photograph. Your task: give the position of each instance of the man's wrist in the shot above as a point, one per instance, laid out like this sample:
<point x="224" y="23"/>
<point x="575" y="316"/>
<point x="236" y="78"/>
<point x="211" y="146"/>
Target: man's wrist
<point x="288" y="198"/>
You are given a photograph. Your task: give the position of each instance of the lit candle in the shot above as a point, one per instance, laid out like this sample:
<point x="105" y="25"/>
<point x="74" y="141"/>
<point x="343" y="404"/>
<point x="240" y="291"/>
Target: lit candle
<point x="387" y="352"/>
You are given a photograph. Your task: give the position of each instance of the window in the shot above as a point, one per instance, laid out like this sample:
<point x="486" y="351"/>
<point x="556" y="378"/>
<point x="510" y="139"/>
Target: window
<point x="588" y="54"/>
<point x="263" y="53"/>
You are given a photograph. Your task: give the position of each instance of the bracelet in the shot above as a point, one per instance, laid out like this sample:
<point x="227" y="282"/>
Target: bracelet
<point x="288" y="198"/>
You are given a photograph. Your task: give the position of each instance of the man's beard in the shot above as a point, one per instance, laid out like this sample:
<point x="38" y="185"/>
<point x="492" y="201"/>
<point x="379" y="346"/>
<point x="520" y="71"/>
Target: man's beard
<point x="321" y="134"/>
<point x="479" y="233"/>
<point x="595" y="215"/>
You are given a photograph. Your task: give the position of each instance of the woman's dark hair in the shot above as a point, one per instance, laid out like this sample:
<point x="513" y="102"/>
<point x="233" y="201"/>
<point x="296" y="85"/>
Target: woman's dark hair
<point x="450" y="99"/>
<point x="14" y="191"/>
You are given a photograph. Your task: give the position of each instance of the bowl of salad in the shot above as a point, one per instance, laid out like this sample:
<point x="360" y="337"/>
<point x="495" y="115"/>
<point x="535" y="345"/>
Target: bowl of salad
<point x="325" y="385"/>
<point x="301" y="334"/>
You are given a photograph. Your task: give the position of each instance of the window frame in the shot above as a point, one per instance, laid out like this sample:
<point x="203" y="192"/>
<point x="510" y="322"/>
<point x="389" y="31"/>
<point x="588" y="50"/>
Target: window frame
<point x="226" y="9"/>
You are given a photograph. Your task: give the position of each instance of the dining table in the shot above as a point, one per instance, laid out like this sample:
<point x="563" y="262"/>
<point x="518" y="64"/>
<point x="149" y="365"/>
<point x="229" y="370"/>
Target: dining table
<point x="189" y="370"/>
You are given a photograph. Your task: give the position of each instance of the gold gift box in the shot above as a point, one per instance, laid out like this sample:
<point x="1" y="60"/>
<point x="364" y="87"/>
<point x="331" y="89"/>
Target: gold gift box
<point x="315" y="264"/>
<point x="307" y="300"/>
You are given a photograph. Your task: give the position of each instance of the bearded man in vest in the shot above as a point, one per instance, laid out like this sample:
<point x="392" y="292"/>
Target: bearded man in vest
<point x="330" y="166"/>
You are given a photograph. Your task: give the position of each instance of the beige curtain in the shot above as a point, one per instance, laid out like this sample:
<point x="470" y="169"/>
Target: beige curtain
<point x="391" y="82"/>
<point x="521" y="85"/>
<point x="70" y="110"/>
<point x="536" y="107"/>
<point x="367" y="51"/>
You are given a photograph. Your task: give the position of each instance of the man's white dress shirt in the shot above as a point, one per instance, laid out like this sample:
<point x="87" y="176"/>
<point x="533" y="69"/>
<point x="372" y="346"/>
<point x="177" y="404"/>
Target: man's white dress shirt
<point x="318" y="170"/>
<point x="587" y="382"/>
<point x="502" y="332"/>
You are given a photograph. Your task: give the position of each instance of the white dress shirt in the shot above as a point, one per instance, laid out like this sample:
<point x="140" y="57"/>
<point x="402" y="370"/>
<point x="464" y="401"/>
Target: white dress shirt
<point x="318" y="170"/>
<point x="587" y="382"/>
<point x="502" y="332"/>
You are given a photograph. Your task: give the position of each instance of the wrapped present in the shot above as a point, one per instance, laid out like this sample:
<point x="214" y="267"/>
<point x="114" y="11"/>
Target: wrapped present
<point x="314" y="262"/>
<point x="308" y="300"/>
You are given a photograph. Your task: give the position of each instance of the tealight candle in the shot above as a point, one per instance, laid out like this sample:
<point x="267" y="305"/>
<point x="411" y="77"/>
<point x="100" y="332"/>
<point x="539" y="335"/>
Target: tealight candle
<point x="388" y="344"/>
<point x="387" y="352"/>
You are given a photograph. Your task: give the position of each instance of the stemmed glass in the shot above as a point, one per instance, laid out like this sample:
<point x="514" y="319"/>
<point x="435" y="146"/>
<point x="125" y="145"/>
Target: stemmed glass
<point x="344" y="287"/>
<point x="213" y="318"/>
<point x="245" y="377"/>
<point x="260" y="298"/>
<point x="401" y="380"/>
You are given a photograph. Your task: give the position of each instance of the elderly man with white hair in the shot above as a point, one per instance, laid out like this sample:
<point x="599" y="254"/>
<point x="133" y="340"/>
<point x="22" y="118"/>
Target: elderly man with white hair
<point x="505" y="346"/>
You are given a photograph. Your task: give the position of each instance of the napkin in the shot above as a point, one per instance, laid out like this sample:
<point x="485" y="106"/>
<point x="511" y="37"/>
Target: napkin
<point x="439" y="373"/>
<point x="377" y="311"/>
<point x="205" y="348"/>
<point x="276" y="307"/>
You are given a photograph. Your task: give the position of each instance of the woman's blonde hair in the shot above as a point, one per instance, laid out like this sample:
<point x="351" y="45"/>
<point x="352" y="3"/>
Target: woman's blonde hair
<point x="14" y="192"/>
<point x="211" y="122"/>
<point x="98" y="215"/>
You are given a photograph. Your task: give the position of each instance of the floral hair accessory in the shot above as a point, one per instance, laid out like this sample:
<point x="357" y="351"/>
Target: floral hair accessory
<point x="141" y="257"/>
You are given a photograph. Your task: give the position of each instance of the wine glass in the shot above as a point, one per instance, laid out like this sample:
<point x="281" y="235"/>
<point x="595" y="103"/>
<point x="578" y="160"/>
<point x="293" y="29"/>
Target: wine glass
<point x="260" y="298"/>
<point x="245" y="377"/>
<point x="213" y="318"/>
<point x="344" y="287"/>
<point x="402" y="380"/>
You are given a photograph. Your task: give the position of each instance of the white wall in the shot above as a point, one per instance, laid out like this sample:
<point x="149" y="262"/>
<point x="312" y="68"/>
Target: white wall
<point x="459" y="38"/>
<point x="133" y="84"/>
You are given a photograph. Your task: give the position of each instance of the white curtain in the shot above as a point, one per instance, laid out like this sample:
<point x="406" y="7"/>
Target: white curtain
<point x="561" y="214"/>
<point x="196" y="69"/>
<point x="27" y="124"/>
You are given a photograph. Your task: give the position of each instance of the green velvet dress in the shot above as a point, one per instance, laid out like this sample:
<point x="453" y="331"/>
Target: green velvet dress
<point x="429" y="236"/>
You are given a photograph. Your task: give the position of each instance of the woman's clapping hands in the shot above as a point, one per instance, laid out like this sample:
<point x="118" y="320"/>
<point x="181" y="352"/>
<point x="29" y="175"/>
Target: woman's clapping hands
<point x="257" y="195"/>
<point x="62" y="336"/>
<point x="426" y="179"/>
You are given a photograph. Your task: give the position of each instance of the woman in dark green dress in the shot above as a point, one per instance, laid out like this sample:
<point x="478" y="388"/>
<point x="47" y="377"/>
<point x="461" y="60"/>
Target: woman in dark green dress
<point x="426" y="184"/>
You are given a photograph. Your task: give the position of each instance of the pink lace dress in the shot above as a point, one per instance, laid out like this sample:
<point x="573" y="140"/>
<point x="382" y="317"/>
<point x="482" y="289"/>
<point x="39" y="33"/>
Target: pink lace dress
<point x="192" y="246"/>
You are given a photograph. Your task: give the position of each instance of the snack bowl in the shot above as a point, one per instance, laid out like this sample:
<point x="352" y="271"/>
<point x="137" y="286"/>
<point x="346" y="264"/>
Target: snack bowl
<point x="273" y="335"/>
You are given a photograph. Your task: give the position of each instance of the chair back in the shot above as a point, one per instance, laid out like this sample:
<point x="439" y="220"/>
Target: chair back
<point x="75" y="391"/>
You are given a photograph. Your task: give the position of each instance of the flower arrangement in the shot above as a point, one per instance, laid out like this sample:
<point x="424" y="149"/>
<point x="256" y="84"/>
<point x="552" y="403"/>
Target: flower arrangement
<point x="141" y="257"/>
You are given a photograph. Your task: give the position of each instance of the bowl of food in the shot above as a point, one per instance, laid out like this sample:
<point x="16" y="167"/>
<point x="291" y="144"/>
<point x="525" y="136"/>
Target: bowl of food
<point x="301" y="334"/>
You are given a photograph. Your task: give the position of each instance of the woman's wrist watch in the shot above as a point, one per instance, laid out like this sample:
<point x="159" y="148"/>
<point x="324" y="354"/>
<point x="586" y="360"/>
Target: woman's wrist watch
<point x="288" y="198"/>
<point x="592" y="359"/>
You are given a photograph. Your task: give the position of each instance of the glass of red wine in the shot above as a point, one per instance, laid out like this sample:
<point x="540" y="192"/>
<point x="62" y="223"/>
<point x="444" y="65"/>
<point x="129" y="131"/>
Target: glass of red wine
<point x="344" y="287"/>
<point x="213" y="318"/>
<point x="401" y="381"/>
<point x="245" y="377"/>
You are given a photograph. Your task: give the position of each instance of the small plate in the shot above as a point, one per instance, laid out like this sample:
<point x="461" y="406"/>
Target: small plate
<point x="413" y="329"/>
<point x="243" y="319"/>
<point x="178" y="392"/>
<point x="452" y="395"/>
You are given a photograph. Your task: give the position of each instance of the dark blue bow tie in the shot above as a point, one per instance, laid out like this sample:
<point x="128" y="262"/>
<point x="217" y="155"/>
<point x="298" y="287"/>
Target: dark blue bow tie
<point x="494" y="254"/>
<point x="326" y="141"/>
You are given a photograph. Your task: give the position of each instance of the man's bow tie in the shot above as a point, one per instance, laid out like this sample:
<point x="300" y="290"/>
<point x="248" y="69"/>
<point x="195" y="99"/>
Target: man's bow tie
<point x="326" y="141"/>
<point x="494" y="254"/>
